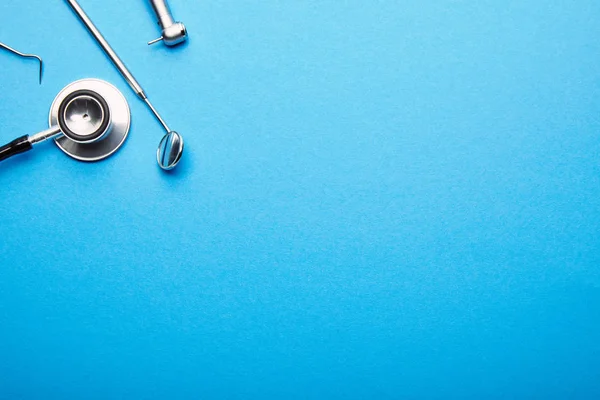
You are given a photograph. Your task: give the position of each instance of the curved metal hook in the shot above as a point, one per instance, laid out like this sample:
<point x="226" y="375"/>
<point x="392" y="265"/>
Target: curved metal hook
<point x="26" y="56"/>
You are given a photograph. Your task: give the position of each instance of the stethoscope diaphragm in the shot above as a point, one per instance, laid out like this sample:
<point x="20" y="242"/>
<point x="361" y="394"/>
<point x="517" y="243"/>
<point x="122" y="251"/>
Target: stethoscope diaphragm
<point x="120" y="120"/>
<point x="84" y="116"/>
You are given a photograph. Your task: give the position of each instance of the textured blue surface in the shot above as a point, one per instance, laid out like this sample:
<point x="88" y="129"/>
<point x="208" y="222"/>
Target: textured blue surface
<point x="391" y="199"/>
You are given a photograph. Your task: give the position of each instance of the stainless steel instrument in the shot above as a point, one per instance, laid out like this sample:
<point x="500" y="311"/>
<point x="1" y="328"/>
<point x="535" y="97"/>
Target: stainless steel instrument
<point x="26" y="56"/>
<point x="171" y="146"/>
<point x="173" y="32"/>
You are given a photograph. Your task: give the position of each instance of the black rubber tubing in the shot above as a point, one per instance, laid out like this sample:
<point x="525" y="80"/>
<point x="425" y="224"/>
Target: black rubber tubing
<point x="17" y="146"/>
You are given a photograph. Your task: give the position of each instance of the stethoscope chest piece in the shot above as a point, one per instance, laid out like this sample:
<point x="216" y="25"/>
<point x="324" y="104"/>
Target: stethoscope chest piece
<point x="94" y="118"/>
<point x="89" y="121"/>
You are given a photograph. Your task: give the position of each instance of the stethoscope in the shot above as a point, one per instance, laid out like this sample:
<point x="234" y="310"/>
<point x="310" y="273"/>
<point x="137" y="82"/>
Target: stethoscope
<point x="89" y="121"/>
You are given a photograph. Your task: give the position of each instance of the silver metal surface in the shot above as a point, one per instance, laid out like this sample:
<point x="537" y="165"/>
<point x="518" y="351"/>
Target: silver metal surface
<point x="163" y="13"/>
<point x="117" y="62"/>
<point x="26" y="56"/>
<point x="116" y="133"/>
<point x="157" y="115"/>
<point x="173" y="32"/>
<point x="84" y="115"/>
<point x="169" y="150"/>
<point x="44" y="135"/>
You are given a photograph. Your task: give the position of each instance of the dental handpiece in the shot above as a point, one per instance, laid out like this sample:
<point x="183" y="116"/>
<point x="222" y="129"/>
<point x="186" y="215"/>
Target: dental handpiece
<point x="173" y="32"/>
<point x="170" y="148"/>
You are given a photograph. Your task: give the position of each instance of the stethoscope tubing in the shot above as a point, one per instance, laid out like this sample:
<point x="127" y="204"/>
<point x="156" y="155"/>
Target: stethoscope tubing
<point x="17" y="146"/>
<point x="26" y="142"/>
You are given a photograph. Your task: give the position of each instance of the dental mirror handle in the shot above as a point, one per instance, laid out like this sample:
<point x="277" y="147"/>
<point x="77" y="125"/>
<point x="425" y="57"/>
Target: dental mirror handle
<point x="137" y="88"/>
<point x="26" y="142"/>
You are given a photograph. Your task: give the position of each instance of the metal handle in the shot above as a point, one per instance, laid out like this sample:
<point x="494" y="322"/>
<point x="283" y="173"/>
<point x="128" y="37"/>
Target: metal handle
<point x="137" y="88"/>
<point x="163" y="13"/>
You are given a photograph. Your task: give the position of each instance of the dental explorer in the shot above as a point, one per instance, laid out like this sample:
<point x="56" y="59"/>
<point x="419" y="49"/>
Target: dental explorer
<point x="173" y="32"/>
<point x="170" y="148"/>
<point x="26" y="56"/>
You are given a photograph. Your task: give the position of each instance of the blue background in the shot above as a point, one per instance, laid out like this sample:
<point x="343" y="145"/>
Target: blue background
<point x="379" y="199"/>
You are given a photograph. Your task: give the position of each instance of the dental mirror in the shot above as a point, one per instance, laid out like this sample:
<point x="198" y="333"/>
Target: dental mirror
<point x="169" y="150"/>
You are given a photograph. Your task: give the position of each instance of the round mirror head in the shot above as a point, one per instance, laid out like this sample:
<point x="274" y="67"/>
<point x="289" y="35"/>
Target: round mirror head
<point x="169" y="150"/>
<point x="84" y="115"/>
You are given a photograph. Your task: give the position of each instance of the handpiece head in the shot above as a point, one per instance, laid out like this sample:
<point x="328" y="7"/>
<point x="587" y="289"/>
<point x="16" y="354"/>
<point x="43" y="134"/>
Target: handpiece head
<point x="172" y="35"/>
<point x="169" y="151"/>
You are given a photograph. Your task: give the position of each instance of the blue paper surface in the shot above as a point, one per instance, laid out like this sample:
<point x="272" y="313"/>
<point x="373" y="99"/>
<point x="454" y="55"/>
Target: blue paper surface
<point x="378" y="200"/>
